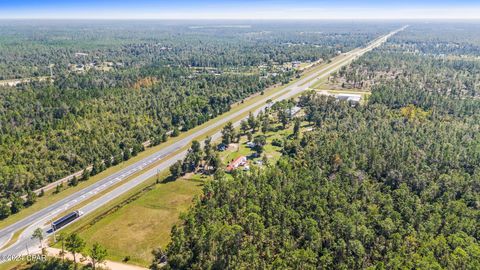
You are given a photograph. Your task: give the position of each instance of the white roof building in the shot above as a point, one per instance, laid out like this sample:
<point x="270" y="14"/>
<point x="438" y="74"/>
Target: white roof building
<point x="349" y="97"/>
<point x="293" y="111"/>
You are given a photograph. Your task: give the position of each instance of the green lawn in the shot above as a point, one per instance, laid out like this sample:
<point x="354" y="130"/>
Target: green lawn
<point x="272" y="152"/>
<point x="50" y="198"/>
<point x="144" y="224"/>
<point x="13" y="265"/>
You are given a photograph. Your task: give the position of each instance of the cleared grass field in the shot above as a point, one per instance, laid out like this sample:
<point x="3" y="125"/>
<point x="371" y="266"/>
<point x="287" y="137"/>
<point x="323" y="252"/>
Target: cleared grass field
<point x="144" y="224"/>
<point x="13" y="265"/>
<point x="50" y="197"/>
<point x="152" y="215"/>
<point x="133" y="216"/>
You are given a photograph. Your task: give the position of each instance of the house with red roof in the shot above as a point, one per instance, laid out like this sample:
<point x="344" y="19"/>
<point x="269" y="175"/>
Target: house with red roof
<point x="240" y="161"/>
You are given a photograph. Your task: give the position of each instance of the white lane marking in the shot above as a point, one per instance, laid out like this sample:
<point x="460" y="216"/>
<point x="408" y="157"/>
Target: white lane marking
<point x="150" y="161"/>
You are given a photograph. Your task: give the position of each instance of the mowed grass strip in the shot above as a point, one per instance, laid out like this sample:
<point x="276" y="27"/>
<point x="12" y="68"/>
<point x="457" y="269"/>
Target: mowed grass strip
<point x="271" y="92"/>
<point x="51" y="198"/>
<point x="145" y="223"/>
<point x="13" y="239"/>
<point x="13" y="265"/>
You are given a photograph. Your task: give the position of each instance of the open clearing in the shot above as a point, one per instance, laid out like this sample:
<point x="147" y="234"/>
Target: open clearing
<point x="144" y="224"/>
<point x="50" y="197"/>
<point x="238" y="115"/>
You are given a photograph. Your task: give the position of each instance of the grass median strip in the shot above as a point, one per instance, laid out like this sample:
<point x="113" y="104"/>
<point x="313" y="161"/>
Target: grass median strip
<point x="13" y="239"/>
<point x="208" y="133"/>
<point x="50" y="197"/>
<point x="152" y="210"/>
<point x="112" y="207"/>
<point x="114" y="219"/>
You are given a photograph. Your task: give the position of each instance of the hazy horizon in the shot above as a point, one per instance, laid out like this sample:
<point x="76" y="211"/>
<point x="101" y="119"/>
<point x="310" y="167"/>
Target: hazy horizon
<point x="241" y="10"/>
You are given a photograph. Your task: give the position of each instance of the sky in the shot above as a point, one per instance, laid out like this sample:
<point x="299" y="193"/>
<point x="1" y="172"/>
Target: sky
<point x="240" y="9"/>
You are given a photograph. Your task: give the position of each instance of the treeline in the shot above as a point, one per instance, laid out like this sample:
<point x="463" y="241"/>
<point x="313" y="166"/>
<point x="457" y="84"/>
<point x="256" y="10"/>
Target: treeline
<point x="414" y="61"/>
<point x="440" y="38"/>
<point x="83" y="258"/>
<point x="448" y="77"/>
<point x="392" y="184"/>
<point x="372" y="187"/>
<point x="28" y="48"/>
<point x="50" y="131"/>
<point x="206" y="161"/>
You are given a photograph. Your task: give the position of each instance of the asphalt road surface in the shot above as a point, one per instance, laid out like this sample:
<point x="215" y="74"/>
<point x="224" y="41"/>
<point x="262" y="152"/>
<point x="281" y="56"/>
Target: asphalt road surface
<point x="25" y="245"/>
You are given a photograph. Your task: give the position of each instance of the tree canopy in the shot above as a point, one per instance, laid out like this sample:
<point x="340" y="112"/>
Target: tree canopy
<point x="391" y="184"/>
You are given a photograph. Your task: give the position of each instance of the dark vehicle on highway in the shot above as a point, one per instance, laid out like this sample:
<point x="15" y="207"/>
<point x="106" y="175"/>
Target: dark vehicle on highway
<point x="65" y="220"/>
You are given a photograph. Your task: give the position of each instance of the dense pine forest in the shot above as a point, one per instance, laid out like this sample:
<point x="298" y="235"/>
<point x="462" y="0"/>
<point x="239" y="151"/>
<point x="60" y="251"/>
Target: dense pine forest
<point x="390" y="184"/>
<point x="117" y="85"/>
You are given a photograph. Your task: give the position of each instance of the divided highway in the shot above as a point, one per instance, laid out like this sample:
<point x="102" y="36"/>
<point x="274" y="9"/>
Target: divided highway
<point x="25" y="244"/>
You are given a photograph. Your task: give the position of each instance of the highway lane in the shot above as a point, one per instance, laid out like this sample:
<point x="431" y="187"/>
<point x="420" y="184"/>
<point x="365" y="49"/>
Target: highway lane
<point x="45" y="215"/>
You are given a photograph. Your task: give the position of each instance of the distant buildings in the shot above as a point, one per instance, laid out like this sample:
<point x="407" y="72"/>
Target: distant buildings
<point x="291" y="112"/>
<point x="79" y="54"/>
<point x="101" y="66"/>
<point x="16" y="82"/>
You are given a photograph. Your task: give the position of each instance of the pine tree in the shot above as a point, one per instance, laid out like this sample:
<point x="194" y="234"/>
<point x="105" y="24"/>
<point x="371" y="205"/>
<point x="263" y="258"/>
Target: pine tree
<point x="31" y="198"/>
<point x="5" y="210"/>
<point x="17" y="204"/>
<point x="73" y="181"/>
